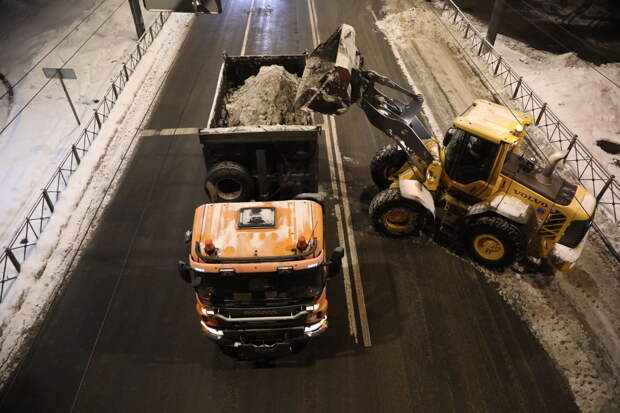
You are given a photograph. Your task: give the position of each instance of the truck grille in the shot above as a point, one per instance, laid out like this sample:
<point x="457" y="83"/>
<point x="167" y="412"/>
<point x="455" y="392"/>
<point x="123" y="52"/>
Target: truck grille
<point x="575" y="233"/>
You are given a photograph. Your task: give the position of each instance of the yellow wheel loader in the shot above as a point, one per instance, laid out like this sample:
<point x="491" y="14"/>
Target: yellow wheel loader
<point x="475" y="188"/>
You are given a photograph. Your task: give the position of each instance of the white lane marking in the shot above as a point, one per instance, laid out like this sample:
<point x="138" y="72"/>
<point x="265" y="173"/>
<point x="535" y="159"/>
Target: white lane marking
<point x="247" y="28"/>
<point x="427" y="111"/>
<point x="332" y="138"/>
<point x="357" y="275"/>
<point x="346" y="269"/>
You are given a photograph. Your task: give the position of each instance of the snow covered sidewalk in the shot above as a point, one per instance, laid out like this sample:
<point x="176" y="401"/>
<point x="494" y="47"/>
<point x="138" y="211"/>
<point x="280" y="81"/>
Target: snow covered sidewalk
<point x="92" y="37"/>
<point x="87" y="195"/>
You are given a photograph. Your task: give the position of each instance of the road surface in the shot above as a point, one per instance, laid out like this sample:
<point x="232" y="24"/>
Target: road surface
<point x="418" y="330"/>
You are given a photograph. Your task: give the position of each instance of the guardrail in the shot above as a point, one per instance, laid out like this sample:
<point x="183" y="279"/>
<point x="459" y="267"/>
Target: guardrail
<point x="25" y="238"/>
<point x="585" y="167"/>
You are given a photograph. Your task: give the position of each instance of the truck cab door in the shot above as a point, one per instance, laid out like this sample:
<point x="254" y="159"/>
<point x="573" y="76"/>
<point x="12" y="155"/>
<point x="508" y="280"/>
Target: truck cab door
<point x="469" y="162"/>
<point x="185" y="6"/>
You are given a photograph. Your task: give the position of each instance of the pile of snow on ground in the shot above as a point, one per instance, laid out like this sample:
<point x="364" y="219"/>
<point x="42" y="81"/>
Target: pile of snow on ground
<point x="265" y="99"/>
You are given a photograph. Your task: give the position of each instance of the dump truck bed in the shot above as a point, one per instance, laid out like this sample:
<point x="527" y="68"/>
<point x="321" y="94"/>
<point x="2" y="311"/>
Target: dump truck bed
<point x="282" y="159"/>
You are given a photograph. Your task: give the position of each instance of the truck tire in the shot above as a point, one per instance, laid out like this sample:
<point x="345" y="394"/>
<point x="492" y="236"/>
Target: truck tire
<point x="395" y="216"/>
<point x="233" y="182"/>
<point x="385" y="163"/>
<point x="494" y="242"/>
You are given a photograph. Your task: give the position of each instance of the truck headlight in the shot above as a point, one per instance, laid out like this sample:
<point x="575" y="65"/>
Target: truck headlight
<point x="312" y="308"/>
<point x="214" y="331"/>
<point x="313" y="328"/>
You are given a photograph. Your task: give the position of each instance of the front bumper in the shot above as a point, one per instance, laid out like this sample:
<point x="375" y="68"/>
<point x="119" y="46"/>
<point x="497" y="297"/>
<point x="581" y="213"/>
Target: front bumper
<point x="250" y="335"/>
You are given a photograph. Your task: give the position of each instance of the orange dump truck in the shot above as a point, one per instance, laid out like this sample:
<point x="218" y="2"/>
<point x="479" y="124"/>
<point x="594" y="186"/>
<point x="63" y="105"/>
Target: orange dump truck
<point x="260" y="272"/>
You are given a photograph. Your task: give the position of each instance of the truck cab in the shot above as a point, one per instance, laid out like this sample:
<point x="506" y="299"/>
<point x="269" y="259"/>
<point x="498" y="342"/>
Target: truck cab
<point x="260" y="273"/>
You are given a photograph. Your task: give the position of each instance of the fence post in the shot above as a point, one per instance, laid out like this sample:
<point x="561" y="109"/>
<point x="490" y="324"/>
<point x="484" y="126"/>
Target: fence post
<point x="97" y="118"/>
<point x="571" y="144"/>
<point x="456" y="13"/>
<point x="13" y="260"/>
<point x="481" y="48"/>
<point x="48" y="200"/>
<point x="543" y="109"/>
<point x="75" y="153"/>
<point x="114" y="91"/>
<point x="125" y="71"/>
<point x="466" y="31"/>
<point x="516" y="92"/>
<point x="499" y="62"/>
<point x="139" y="51"/>
<point x="607" y="185"/>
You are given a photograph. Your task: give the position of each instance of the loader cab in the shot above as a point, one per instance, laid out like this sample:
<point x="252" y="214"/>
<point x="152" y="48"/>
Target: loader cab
<point x="477" y="144"/>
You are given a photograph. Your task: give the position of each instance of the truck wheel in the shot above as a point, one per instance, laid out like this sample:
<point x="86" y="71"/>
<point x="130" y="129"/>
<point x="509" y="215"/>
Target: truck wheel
<point x="494" y="242"/>
<point x="385" y="163"/>
<point x="395" y="216"/>
<point x="232" y="181"/>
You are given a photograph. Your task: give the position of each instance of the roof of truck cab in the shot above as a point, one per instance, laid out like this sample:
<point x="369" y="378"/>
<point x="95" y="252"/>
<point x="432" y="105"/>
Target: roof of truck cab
<point x="491" y="121"/>
<point x="222" y="224"/>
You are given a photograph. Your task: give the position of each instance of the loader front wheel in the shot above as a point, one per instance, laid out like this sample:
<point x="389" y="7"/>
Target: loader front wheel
<point x="494" y="242"/>
<point x="232" y="182"/>
<point x="395" y="216"/>
<point x="386" y="162"/>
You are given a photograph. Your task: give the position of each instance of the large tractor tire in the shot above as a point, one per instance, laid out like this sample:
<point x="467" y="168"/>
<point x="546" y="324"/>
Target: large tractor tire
<point x="395" y="216"/>
<point x="494" y="242"/>
<point x="385" y="163"/>
<point x="232" y="181"/>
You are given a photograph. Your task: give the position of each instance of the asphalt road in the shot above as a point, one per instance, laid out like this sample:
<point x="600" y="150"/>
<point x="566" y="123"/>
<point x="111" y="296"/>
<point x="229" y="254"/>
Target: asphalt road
<point x="123" y="336"/>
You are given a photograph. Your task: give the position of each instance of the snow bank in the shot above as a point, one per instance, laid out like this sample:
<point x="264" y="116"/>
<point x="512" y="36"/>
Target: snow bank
<point x="35" y="143"/>
<point x="587" y="102"/>
<point x="90" y="188"/>
<point x="265" y="99"/>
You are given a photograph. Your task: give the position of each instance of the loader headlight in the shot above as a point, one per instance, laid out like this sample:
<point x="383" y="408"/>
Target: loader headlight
<point x="519" y="128"/>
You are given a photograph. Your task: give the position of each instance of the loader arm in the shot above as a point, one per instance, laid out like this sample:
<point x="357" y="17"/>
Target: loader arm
<point x="396" y="119"/>
<point x="334" y="79"/>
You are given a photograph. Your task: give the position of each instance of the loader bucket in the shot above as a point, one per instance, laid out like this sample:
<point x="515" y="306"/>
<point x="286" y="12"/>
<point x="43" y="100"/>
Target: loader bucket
<point x="325" y="85"/>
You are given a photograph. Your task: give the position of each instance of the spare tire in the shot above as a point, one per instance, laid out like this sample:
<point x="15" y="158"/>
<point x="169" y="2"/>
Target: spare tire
<point x="232" y="181"/>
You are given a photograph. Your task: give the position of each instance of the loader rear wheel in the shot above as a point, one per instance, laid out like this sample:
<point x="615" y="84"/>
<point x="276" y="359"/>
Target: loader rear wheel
<point x="395" y="216"/>
<point x="385" y="163"/>
<point x="494" y="242"/>
<point x="232" y="181"/>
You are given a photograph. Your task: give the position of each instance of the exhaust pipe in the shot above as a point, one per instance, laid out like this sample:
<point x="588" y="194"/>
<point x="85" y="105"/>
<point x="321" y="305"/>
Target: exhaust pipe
<point x="545" y="176"/>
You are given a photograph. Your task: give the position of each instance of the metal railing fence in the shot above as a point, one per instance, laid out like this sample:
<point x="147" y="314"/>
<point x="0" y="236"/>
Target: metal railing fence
<point x="25" y="238"/>
<point x="585" y="167"/>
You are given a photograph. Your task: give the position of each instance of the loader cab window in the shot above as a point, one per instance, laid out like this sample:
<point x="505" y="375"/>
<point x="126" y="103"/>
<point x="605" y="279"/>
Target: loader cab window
<point x="469" y="158"/>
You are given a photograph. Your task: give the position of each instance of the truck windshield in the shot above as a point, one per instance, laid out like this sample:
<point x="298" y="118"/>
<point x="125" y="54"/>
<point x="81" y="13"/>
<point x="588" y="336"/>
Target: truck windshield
<point x="261" y="287"/>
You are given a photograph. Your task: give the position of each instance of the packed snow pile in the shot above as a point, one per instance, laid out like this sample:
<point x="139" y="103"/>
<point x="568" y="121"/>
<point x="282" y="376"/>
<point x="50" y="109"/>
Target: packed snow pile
<point x="265" y="99"/>
<point x="314" y="71"/>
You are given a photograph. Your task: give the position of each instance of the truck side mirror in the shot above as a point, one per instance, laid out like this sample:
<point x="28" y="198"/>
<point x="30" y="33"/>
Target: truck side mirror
<point x="184" y="272"/>
<point x="188" y="236"/>
<point x="335" y="262"/>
